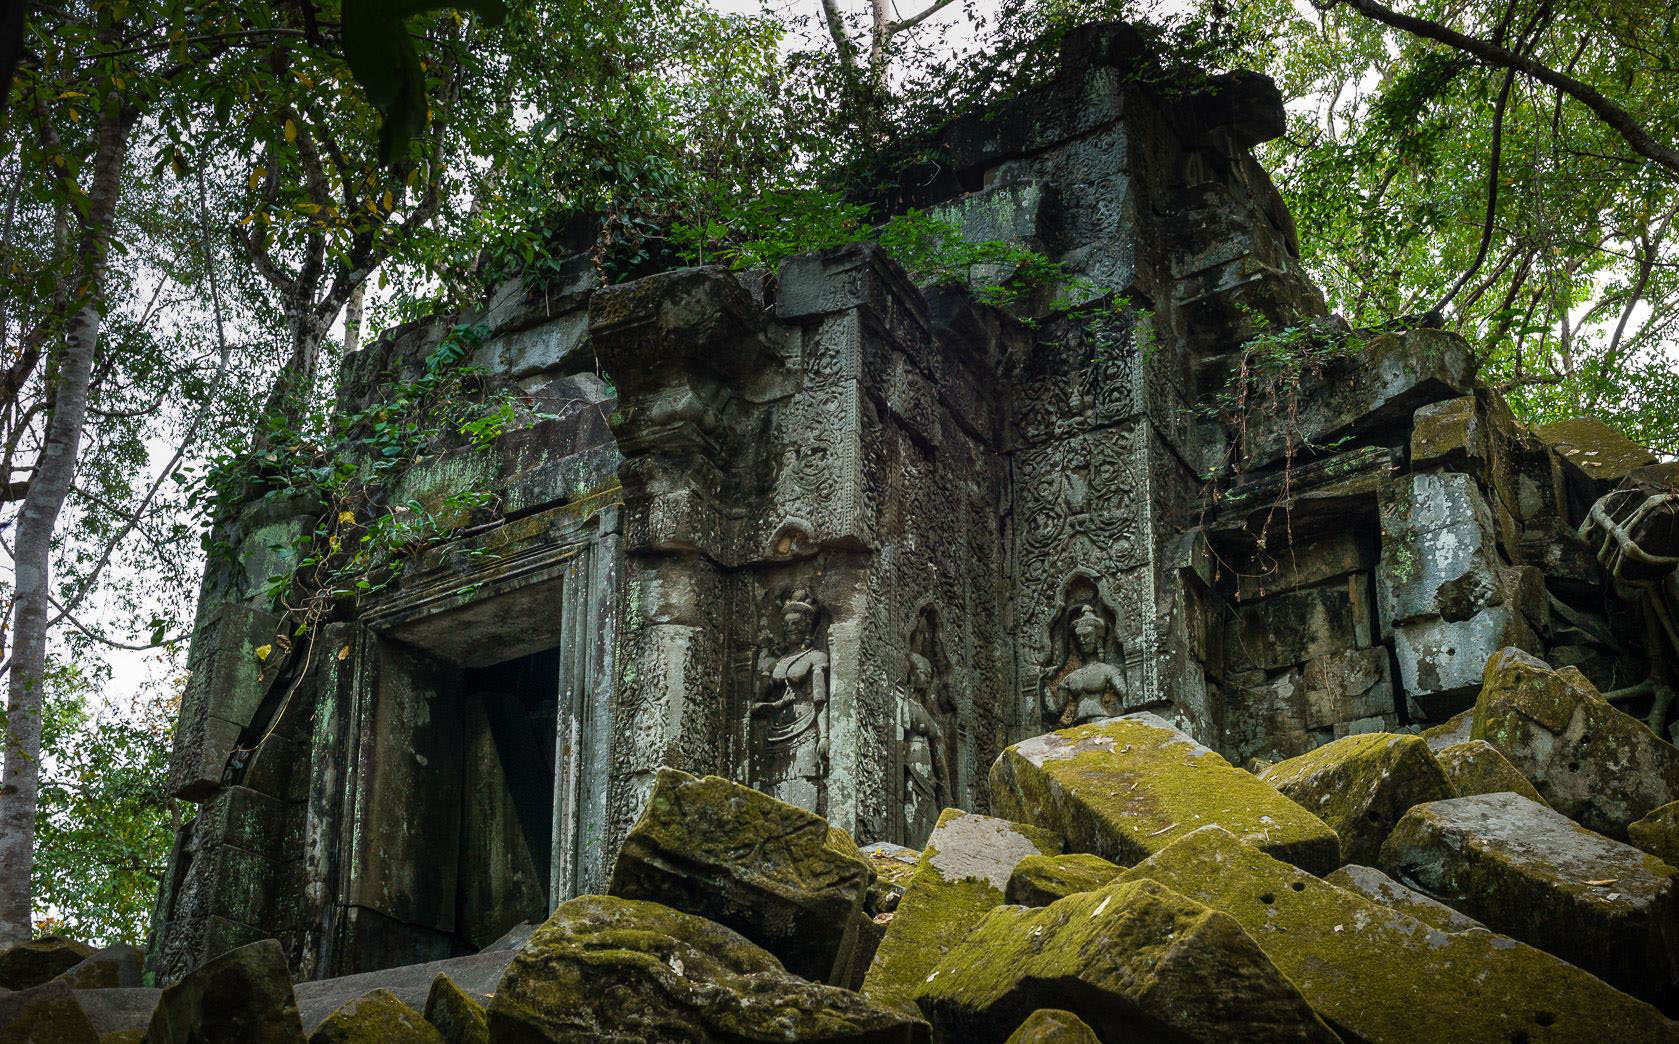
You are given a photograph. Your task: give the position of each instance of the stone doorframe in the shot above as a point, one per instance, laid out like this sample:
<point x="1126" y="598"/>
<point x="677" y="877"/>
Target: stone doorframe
<point x="540" y="582"/>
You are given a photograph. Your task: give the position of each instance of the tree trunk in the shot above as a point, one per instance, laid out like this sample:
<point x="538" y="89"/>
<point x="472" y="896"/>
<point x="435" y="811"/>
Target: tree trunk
<point x="353" y="316"/>
<point x="288" y="398"/>
<point x="38" y="518"/>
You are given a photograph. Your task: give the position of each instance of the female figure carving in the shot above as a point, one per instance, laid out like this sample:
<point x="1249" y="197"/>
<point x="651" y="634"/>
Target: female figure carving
<point x="1089" y="688"/>
<point x="792" y="706"/>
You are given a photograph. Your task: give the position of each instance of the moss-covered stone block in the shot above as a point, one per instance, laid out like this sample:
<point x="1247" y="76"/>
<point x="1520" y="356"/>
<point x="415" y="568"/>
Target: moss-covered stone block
<point x="1596" y="765"/>
<point x="32" y="963"/>
<point x="610" y="969"/>
<point x="1361" y="785"/>
<point x="1124" y="788"/>
<point x="1528" y="871"/>
<point x="44" y="1015"/>
<point x="245" y="995"/>
<point x="1658" y="833"/>
<point x="456" y="1013"/>
<point x="1476" y="767"/>
<point x="1454" y="729"/>
<point x="774" y="872"/>
<point x="377" y="1017"/>
<point x="963" y="873"/>
<point x="1053" y="1026"/>
<point x="1134" y="960"/>
<point x="1449" y="433"/>
<point x="118" y="966"/>
<point x="1379" y="887"/>
<point x="1381" y="976"/>
<point x="1040" y="880"/>
<point x="1594" y="451"/>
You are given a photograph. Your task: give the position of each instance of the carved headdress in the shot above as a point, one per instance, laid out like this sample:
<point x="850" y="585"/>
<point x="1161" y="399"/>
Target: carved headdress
<point x="801" y="601"/>
<point x="1089" y="620"/>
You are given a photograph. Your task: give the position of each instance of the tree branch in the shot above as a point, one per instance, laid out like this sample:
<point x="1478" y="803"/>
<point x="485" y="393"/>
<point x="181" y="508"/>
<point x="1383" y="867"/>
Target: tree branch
<point x="1491" y="54"/>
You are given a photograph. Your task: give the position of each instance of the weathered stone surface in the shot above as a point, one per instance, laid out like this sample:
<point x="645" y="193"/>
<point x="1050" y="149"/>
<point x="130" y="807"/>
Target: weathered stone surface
<point x="1382" y="976"/>
<point x="1385" y="381"/>
<point x="124" y="1010"/>
<point x="476" y="975"/>
<point x="765" y="868"/>
<point x="1476" y="767"/>
<point x="245" y="994"/>
<point x="963" y="872"/>
<point x="1053" y="1026"/>
<point x="1452" y="731"/>
<point x="456" y="1013"/>
<point x="603" y="968"/>
<point x="1595" y="451"/>
<point x="1658" y="833"/>
<point x="1596" y="765"/>
<point x="1040" y="880"/>
<point x="1379" y="887"/>
<point x="376" y="1018"/>
<point x="1449" y="433"/>
<point x="46" y="1014"/>
<point x="1361" y="785"/>
<point x="1127" y="787"/>
<point x="1526" y="870"/>
<point x="113" y="967"/>
<point x="32" y="963"/>
<point x="1134" y="958"/>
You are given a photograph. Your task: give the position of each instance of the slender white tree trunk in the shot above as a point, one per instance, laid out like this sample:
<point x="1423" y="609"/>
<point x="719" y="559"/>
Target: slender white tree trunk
<point x="38" y="518"/>
<point x="353" y="316"/>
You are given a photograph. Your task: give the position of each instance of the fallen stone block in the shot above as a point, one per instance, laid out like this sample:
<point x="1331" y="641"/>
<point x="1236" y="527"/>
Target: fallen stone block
<point x="769" y="870"/>
<point x="120" y="1010"/>
<point x="46" y="1014"/>
<point x="1453" y="730"/>
<point x="113" y="967"/>
<point x="1124" y="788"/>
<point x="1658" y="833"/>
<point x="1476" y="767"/>
<point x="1053" y="1026"/>
<point x="963" y="873"/>
<point x="893" y="866"/>
<point x="1594" y="764"/>
<point x="1134" y="960"/>
<point x="1528" y="871"/>
<point x="1040" y="880"/>
<point x="244" y="994"/>
<point x="1380" y="888"/>
<point x="604" y="968"/>
<point x="1596" y="455"/>
<point x="476" y="975"/>
<point x="456" y="1013"/>
<point x="35" y="962"/>
<point x="1384" y="977"/>
<point x="1361" y="785"/>
<point x="376" y="1018"/>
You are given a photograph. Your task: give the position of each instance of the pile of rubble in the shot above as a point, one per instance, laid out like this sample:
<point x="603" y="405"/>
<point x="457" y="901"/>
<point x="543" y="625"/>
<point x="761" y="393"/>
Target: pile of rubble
<point x="1506" y="877"/>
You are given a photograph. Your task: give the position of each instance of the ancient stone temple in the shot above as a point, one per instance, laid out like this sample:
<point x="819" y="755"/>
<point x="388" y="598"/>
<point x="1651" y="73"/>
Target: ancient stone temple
<point x="844" y="538"/>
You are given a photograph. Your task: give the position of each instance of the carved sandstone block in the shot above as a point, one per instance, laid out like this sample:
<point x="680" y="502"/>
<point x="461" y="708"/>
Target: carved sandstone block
<point x="1124" y="788"/>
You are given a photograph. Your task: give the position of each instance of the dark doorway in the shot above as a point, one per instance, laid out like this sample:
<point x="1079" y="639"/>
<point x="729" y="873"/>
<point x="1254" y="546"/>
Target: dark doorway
<point x="507" y="808"/>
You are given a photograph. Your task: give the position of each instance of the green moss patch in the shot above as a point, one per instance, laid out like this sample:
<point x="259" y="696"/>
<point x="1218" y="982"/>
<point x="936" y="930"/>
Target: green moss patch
<point x="1127" y="787"/>
<point x="1133" y="960"/>
<point x="378" y="1017"/>
<point x="1381" y="976"/>
<point x="962" y="875"/>
<point x="1040" y="880"/>
<point x="1476" y="767"/>
<point x="1361" y="785"/>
